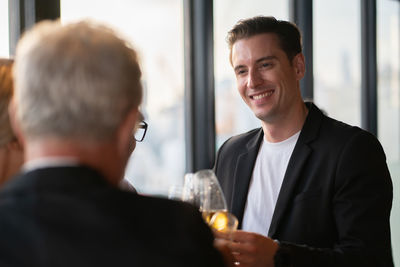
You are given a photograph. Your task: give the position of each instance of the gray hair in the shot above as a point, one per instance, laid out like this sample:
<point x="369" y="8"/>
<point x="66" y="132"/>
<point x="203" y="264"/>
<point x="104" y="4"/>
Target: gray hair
<point x="6" y="91"/>
<point x="78" y="80"/>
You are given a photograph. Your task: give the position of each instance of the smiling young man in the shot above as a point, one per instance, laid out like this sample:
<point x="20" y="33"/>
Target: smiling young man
<point x="268" y="82"/>
<point x="308" y="190"/>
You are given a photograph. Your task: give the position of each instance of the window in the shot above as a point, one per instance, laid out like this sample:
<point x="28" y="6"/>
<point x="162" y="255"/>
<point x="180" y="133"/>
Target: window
<point x="155" y="28"/>
<point x="4" y="43"/>
<point x="337" y="61"/>
<point x="232" y="114"/>
<point x="388" y="44"/>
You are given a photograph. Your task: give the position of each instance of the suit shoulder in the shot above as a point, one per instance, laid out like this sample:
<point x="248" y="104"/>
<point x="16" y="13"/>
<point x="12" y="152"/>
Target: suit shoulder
<point x="170" y="210"/>
<point x="188" y="234"/>
<point x="339" y="136"/>
<point x="341" y="130"/>
<point x="241" y="140"/>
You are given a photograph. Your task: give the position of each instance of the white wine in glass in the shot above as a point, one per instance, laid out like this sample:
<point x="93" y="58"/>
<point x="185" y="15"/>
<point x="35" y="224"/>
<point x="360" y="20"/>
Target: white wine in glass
<point x="223" y="221"/>
<point x="212" y="202"/>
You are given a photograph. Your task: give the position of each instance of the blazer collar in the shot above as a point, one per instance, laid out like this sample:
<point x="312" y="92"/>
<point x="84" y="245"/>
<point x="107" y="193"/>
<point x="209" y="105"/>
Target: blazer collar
<point x="313" y="123"/>
<point x="243" y="173"/>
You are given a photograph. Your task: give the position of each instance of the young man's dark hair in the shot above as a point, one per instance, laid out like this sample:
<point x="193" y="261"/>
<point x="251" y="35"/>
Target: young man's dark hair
<point x="287" y="32"/>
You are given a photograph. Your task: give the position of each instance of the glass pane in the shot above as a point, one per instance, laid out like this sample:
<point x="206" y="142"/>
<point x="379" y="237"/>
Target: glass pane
<point x="4" y="46"/>
<point x="388" y="42"/>
<point x="155" y="28"/>
<point x="232" y="114"/>
<point x="337" y="67"/>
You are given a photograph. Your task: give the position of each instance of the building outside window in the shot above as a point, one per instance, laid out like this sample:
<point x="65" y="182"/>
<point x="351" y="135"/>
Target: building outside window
<point x="337" y="59"/>
<point x="388" y="45"/>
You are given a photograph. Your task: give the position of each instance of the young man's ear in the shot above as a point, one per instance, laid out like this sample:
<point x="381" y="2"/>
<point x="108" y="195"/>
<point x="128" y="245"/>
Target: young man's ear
<point x="299" y="65"/>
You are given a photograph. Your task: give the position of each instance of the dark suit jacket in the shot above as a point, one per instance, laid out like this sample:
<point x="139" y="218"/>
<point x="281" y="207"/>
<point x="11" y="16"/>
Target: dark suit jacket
<point x="70" y="216"/>
<point x="334" y="205"/>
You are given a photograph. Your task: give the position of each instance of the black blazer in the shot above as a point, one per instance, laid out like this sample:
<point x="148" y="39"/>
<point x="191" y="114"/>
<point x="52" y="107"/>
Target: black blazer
<point x="70" y="216"/>
<point x="334" y="205"/>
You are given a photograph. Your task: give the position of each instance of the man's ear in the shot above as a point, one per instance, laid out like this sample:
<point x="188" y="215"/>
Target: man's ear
<point x="299" y="65"/>
<point x="12" y="112"/>
<point x="125" y="132"/>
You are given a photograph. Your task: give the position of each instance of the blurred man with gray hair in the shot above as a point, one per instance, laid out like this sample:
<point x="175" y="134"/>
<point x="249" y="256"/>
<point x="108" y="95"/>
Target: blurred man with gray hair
<point x="76" y="105"/>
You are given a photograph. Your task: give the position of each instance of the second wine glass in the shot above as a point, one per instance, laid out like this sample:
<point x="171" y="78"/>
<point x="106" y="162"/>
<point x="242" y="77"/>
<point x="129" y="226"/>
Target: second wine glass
<point x="209" y="194"/>
<point x="212" y="202"/>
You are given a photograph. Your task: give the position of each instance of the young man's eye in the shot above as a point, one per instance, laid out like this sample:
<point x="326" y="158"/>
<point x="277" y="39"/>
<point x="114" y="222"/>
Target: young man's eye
<point x="266" y="65"/>
<point x="240" y="72"/>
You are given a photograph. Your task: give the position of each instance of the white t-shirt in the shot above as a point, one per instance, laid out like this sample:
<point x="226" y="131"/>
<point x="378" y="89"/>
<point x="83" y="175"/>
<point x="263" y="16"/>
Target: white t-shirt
<point x="265" y="184"/>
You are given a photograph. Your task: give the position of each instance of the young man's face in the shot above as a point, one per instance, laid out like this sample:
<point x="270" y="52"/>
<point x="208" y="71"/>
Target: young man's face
<point x="266" y="80"/>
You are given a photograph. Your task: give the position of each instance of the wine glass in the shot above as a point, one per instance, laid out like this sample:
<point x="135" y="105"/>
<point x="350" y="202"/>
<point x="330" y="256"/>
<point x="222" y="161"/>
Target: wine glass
<point x="210" y="200"/>
<point x="175" y="192"/>
<point x="184" y="193"/>
<point x="188" y="191"/>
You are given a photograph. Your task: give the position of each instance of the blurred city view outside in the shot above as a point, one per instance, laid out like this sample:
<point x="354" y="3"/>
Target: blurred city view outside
<point x="155" y="29"/>
<point x="337" y="59"/>
<point x="388" y="44"/>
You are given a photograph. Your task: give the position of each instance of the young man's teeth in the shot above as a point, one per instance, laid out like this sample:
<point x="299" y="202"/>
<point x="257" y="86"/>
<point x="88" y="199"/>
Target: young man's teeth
<point x="256" y="97"/>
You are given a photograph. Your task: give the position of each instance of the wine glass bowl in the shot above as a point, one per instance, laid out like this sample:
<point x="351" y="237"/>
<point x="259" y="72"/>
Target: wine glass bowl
<point x="209" y="192"/>
<point x="189" y="189"/>
<point x="211" y="201"/>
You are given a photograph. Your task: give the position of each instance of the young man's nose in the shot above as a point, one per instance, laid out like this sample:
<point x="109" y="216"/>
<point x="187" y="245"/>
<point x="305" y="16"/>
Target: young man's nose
<point x="254" y="79"/>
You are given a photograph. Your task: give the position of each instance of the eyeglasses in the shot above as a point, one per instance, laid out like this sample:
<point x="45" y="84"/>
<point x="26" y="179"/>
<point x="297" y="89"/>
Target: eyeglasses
<point x="140" y="131"/>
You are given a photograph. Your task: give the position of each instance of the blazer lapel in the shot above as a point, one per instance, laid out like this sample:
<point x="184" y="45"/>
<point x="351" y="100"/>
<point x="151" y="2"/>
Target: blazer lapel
<point x="242" y="175"/>
<point x="299" y="157"/>
<point x="297" y="160"/>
